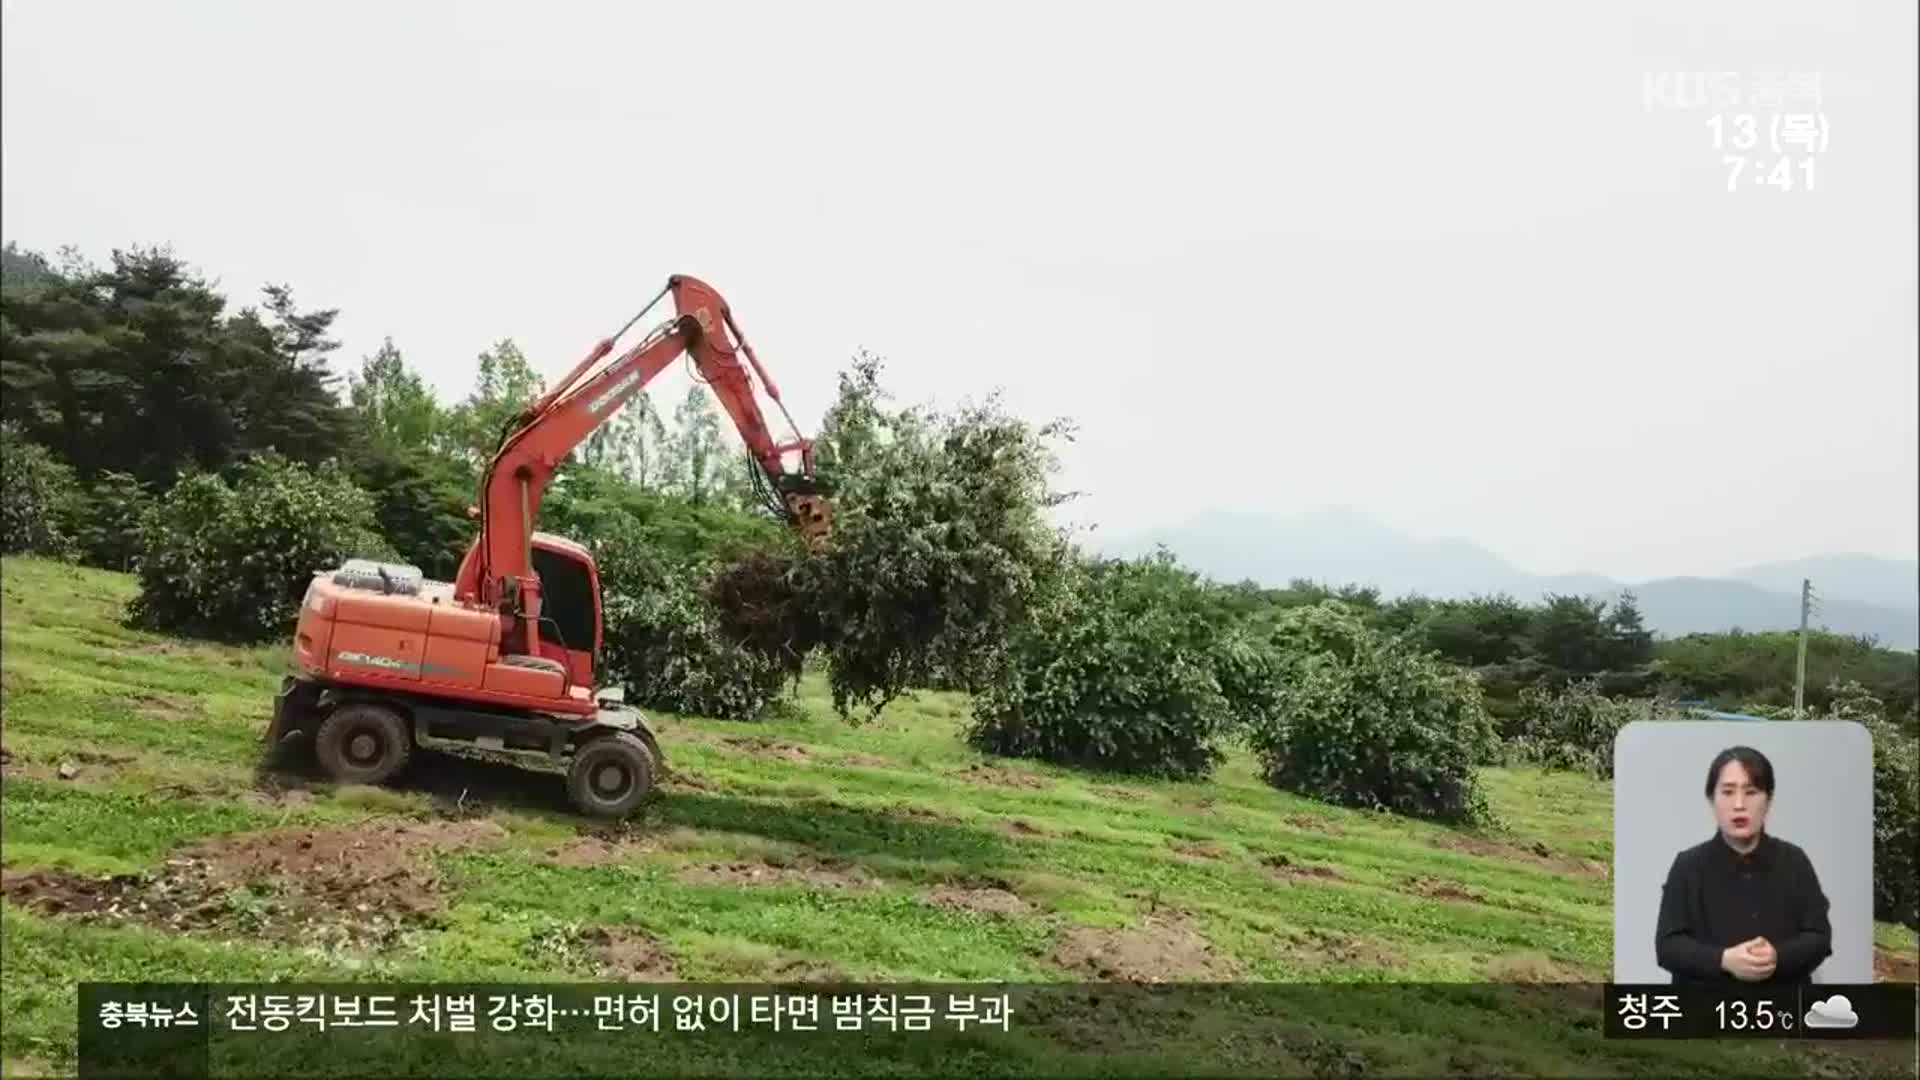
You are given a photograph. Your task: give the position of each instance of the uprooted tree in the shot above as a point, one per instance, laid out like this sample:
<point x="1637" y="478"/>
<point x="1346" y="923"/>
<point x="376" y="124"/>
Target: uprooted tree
<point x="941" y="544"/>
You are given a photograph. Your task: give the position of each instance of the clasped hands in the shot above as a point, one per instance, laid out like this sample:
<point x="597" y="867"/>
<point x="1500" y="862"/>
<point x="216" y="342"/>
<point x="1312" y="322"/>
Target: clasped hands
<point x="1750" y="961"/>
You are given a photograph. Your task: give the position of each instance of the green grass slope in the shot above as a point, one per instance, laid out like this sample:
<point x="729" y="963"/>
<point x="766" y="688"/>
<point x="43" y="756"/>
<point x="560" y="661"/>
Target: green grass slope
<point x="807" y="849"/>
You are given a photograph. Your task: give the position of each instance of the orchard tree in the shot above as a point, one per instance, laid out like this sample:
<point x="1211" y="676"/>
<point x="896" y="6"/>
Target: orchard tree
<point x="393" y="406"/>
<point x="1631" y="641"/>
<point x="504" y="385"/>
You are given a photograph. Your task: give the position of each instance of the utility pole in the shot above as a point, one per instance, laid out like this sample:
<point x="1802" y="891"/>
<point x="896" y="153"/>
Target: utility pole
<point x="1800" y="679"/>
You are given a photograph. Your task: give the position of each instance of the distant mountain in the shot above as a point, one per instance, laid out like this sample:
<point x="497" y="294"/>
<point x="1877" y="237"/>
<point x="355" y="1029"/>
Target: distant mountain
<point x="1859" y="594"/>
<point x="1866" y="579"/>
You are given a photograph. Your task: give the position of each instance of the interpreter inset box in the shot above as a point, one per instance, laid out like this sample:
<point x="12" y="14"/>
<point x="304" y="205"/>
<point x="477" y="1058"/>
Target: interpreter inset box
<point x="1743" y="852"/>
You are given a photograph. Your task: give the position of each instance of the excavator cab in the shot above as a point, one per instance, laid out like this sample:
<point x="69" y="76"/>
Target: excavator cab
<point x="570" y="623"/>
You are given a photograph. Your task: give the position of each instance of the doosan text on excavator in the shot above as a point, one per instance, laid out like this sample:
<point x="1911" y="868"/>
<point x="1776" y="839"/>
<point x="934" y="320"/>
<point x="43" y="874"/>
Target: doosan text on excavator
<point x="502" y="658"/>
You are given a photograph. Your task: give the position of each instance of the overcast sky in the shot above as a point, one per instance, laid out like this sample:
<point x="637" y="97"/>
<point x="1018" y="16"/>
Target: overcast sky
<point x="1441" y="263"/>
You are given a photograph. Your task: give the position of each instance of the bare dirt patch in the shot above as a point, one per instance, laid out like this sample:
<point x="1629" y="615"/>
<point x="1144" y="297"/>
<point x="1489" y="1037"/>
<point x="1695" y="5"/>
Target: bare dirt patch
<point x="1537" y="852"/>
<point x="154" y="707"/>
<point x="1193" y="804"/>
<point x="354" y="886"/>
<point x="928" y="813"/>
<point x="1017" y="827"/>
<point x="1890" y="966"/>
<point x="1200" y="849"/>
<point x="1108" y="791"/>
<point x="863" y="760"/>
<point x="984" y="900"/>
<point x="1322" y="948"/>
<point x="630" y="954"/>
<point x="1441" y="889"/>
<point x="801" y="969"/>
<point x="1284" y="865"/>
<point x="1164" y="949"/>
<point x="1316" y="824"/>
<point x="829" y="875"/>
<point x="765" y="747"/>
<point x="589" y="851"/>
<point x="1001" y="776"/>
<point x="1531" y="967"/>
<point x="691" y="781"/>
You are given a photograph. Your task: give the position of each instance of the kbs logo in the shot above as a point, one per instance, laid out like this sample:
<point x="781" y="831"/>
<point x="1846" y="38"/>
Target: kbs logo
<point x="1697" y="90"/>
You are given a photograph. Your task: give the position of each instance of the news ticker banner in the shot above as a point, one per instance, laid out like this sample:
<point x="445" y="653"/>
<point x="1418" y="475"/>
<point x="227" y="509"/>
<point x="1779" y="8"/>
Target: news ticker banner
<point x="576" y="1030"/>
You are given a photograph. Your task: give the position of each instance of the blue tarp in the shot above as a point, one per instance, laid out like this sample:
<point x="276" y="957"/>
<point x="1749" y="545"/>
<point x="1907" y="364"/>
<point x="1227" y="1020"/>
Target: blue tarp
<point x="1714" y="714"/>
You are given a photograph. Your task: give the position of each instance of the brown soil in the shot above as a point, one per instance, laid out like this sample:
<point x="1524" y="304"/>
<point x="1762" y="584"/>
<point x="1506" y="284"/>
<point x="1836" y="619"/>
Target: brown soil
<point x="159" y="708"/>
<point x="279" y="797"/>
<point x="590" y="851"/>
<point x="762" y="746"/>
<point x="927" y="813"/>
<point x="1890" y="966"/>
<point x="1536" y="852"/>
<point x="1441" y="889"/>
<point x="1123" y="794"/>
<point x="691" y="781"/>
<point x="1200" y="849"/>
<point x="1193" y="804"/>
<point x="630" y="955"/>
<point x="863" y="760"/>
<point x="1003" y="777"/>
<point x="1021" y="828"/>
<point x="1319" y="948"/>
<point x="352" y="885"/>
<point x="759" y="873"/>
<point x="990" y="900"/>
<point x="1282" y="864"/>
<point x="800" y="970"/>
<point x="1316" y="824"/>
<point x="1531" y="967"/>
<point x="1165" y="949"/>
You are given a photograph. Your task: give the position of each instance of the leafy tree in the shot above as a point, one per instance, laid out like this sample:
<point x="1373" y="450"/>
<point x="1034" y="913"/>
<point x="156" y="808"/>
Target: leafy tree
<point x="138" y="368"/>
<point x="393" y="407"/>
<point x="697" y="454"/>
<point x="420" y="504"/>
<point x="1570" y="633"/>
<point x="1478" y="632"/>
<point x="232" y="561"/>
<point x="665" y="644"/>
<point x="633" y="443"/>
<point x="19" y="267"/>
<point x="31" y="511"/>
<point x="1361" y="720"/>
<point x="104" y="518"/>
<point x="1125" y="666"/>
<point x="1736" y="669"/>
<point x="503" y="387"/>
<point x="1574" y="727"/>
<point x="941" y="543"/>
<point x="1631" y="641"/>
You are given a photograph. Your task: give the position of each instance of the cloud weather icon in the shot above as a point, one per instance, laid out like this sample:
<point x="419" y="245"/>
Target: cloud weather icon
<point x="1835" y="1012"/>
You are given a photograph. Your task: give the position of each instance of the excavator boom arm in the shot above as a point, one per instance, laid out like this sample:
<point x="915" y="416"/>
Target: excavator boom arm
<point x="499" y="568"/>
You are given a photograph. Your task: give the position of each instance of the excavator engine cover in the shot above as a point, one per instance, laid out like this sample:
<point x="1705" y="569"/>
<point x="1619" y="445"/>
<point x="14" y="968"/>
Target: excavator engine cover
<point x="395" y="579"/>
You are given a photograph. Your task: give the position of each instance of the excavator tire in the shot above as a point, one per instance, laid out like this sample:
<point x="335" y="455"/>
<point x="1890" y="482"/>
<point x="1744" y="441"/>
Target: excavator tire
<point x="611" y="775"/>
<point x="363" y="744"/>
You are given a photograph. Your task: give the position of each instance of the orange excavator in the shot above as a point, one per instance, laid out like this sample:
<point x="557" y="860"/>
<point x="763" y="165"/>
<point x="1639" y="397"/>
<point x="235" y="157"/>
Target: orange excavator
<point x="502" y="658"/>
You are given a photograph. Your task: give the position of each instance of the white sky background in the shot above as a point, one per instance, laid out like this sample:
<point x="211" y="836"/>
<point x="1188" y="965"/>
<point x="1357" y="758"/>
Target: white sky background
<point x="1436" y="262"/>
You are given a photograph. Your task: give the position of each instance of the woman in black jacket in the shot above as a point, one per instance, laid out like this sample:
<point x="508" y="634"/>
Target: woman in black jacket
<point x="1745" y="905"/>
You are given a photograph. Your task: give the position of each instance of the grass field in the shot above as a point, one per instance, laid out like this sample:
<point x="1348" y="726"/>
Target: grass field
<point x="803" y="850"/>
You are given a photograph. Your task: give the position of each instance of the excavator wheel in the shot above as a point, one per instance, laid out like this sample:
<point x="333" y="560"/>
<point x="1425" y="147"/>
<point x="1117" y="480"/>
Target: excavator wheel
<point x="611" y="775"/>
<point x="363" y="744"/>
